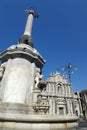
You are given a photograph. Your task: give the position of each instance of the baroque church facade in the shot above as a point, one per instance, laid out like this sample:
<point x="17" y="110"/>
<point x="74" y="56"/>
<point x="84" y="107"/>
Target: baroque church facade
<point x="59" y="94"/>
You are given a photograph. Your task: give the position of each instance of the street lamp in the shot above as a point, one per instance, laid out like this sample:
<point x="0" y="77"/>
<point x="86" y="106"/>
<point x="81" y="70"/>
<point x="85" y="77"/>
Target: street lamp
<point x="69" y="70"/>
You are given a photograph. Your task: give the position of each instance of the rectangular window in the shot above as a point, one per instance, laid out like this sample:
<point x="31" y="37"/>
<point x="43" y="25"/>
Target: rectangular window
<point x="61" y="111"/>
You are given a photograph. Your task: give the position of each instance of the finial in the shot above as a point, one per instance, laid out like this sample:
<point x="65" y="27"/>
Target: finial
<point x="33" y="12"/>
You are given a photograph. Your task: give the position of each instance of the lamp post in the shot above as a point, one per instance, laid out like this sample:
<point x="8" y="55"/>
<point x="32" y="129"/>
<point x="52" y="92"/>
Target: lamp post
<point x="69" y="70"/>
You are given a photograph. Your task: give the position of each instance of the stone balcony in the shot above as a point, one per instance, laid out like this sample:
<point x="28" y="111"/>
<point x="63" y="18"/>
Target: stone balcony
<point x="41" y="108"/>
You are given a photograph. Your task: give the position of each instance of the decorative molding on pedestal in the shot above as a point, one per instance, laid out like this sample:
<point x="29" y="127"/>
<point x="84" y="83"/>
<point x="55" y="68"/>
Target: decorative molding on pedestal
<point x="23" y="51"/>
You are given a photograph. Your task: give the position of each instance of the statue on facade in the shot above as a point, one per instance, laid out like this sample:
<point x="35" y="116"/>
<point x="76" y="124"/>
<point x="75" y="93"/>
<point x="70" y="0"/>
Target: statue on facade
<point x="38" y="78"/>
<point x="1" y="71"/>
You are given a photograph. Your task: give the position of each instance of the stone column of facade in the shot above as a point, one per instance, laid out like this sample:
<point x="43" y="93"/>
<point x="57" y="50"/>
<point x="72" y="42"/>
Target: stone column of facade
<point x="36" y="92"/>
<point x="69" y="107"/>
<point x="69" y="91"/>
<point x="63" y="89"/>
<point x="66" y="90"/>
<point x="85" y="97"/>
<point x="79" y="102"/>
<point x="50" y="85"/>
<point x="47" y="89"/>
<point x="52" y="88"/>
<point x="54" y="105"/>
<point x="56" y="89"/>
<point x="50" y="104"/>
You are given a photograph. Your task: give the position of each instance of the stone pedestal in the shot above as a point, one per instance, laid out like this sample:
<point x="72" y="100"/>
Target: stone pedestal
<point x="18" y="79"/>
<point x="14" y="108"/>
<point x="36" y="122"/>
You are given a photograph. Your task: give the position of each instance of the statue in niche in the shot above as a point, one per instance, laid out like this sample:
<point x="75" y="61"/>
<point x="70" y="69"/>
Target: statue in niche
<point x="38" y="78"/>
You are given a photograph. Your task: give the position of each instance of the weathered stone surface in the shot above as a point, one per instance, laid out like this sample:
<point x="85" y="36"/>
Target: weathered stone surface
<point x="18" y="80"/>
<point x="13" y="108"/>
<point x="36" y="122"/>
<point x="36" y="126"/>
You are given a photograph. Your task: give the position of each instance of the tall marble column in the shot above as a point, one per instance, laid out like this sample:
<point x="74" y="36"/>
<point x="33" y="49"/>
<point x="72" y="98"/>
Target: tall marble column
<point x="29" y="23"/>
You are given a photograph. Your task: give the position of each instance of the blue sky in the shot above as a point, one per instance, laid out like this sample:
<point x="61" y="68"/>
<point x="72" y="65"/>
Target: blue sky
<point x="60" y="33"/>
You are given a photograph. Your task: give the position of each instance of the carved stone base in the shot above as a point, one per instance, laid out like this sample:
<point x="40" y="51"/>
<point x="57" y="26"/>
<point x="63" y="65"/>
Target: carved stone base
<point x="41" y="108"/>
<point x="36" y="122"/>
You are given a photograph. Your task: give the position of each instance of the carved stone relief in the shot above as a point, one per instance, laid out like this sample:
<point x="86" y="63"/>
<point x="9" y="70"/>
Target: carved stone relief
<point x="1" y="72"/>
<point x="38" y="77"/>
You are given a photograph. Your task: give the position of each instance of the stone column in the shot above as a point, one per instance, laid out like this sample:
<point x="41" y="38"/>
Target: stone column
<point x="50" y="87"/>
<point x="80" y="106"/>
<point x="85" y="97"/>
<point x="53" y="88"/>
<point x="66" y="90"/>
<point x="56" y="90"/>
<point x="36" y="92"/>
<point x="50" y="104"/>
<point x="54" y="105"/>
<point x="68" y="107"/>
<point x="47" y="88"/>
<point x="28" y="27"/>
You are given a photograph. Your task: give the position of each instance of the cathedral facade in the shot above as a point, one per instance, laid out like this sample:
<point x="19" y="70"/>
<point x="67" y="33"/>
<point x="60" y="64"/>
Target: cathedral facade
<point x="59" y="95"/>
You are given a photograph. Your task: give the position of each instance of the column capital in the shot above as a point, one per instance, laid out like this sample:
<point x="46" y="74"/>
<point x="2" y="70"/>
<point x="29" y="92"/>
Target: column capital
<point x="33" y="12"/>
